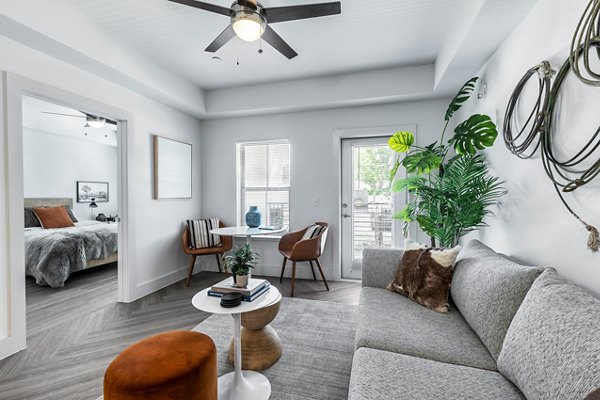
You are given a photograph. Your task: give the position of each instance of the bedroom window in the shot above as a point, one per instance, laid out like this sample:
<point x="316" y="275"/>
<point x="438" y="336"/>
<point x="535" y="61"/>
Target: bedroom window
<point x="263" y="180"/>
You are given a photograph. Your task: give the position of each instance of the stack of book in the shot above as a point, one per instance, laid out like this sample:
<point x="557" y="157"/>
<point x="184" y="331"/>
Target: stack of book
<point x="255" y="288"/>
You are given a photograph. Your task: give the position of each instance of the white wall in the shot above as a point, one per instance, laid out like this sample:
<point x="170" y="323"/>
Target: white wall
<point x="533" y="225"/>
<point x="154" y="257"/>
<point x="314" y="169"/>
<point x="6" y="342"/>
<point x="52" y="164"/>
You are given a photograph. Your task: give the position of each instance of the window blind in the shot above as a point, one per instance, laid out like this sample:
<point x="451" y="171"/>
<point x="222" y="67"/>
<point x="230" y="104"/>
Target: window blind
<point x="264" y="180"/>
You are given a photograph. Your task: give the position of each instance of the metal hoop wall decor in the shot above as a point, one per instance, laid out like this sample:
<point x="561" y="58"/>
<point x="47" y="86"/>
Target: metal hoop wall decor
<point x="530" y="133"/>
<point x="586" y="34"/>
<point x="567" y="175"/>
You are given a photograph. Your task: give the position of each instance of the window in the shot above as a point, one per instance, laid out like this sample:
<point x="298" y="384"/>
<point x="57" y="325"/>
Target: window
<point x="263" y="177"/>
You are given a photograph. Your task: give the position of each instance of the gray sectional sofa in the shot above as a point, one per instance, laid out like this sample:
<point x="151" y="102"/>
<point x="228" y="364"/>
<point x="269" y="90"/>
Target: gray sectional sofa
<point x="513" y="332"/>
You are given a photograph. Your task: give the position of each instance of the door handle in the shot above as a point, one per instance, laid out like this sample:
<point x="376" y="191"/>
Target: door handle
<point x="346" y="215"/>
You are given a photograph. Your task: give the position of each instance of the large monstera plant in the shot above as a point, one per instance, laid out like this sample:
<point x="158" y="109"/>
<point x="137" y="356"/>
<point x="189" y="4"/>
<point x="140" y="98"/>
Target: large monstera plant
<point x="451" y="190"/>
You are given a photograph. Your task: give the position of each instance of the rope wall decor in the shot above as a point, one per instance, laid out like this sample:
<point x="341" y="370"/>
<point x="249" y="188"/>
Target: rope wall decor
<point x="566" y="169"/>
<point x="567" y="175"/>
<point x="587" y="31"/>
<point x="529" y="134"/>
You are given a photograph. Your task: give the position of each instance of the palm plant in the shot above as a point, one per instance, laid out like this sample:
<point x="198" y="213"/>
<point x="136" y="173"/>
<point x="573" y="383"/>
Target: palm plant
<point x="448" y="199"/>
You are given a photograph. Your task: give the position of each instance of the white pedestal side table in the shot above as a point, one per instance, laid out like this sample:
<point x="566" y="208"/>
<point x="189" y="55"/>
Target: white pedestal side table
<point x="239" y="385"/>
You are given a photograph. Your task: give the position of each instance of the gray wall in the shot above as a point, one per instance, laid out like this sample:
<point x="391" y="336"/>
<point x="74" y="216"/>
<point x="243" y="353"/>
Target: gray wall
<point x="52" y="164"/>
<point x="314" y="172"/>
<point x="533" y="225"/>
<point x="156" y="259"/>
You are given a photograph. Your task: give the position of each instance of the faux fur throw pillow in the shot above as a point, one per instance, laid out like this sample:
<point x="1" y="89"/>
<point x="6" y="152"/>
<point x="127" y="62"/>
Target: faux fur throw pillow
<point x="424" y="275"/>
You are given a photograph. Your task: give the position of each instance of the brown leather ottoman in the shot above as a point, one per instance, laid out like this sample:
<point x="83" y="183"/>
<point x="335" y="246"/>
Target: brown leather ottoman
<point x="172" y="365"/>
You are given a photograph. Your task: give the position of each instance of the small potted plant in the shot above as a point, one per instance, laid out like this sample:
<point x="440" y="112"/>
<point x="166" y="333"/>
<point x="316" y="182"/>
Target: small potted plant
<point x="239" y="262"/>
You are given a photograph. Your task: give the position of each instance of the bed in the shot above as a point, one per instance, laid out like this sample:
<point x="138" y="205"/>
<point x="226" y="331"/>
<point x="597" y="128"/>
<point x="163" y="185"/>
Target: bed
<point x="51" y="255"/>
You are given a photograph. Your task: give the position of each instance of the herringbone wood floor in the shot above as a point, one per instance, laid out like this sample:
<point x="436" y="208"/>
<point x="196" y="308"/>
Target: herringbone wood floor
<point x="73" y="333"/>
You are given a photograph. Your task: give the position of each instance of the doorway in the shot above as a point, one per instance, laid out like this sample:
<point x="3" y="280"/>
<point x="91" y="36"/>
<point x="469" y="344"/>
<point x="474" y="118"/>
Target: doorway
<point x="368" y="202"/>
<point x="14" y="87"/>
<point x="70" y="162"/>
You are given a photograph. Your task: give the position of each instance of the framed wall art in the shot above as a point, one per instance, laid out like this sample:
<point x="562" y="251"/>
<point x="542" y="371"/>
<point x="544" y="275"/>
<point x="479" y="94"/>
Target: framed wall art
<point x="172" y="169"/>
<point x="88" y="190"/>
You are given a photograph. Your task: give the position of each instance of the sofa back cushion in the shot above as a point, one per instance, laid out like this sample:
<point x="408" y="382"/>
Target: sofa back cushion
<point x="552" y="348"/>
<point x="488" y="289"/>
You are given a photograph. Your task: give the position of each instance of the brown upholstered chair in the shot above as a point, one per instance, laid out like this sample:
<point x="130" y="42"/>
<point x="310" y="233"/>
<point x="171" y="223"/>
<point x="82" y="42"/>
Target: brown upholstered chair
<point x="171" y="365"/>
<point x="292" y="247"/>
<point x="226" y="244"/>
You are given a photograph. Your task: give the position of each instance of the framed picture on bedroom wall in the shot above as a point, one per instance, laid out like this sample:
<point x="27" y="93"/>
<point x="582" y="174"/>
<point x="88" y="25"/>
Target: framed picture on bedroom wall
<point x="88" y="190"/>
<point x="172" y="169"/>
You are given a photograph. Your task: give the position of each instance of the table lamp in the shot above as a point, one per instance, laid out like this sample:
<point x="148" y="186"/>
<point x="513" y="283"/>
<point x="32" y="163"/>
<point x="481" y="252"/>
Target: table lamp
<point x="92" y="206"/>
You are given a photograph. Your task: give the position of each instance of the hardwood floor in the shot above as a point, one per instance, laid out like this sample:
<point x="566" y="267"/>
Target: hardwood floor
<point x="73" y="333"/>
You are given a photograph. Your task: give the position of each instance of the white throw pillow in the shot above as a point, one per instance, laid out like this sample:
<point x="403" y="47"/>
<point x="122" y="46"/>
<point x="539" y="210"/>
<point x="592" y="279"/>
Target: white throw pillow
<point x="200" y="237"/>
<point x="312" y="231"/>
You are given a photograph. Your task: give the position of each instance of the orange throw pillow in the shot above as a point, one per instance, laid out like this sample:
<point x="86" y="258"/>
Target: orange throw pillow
<point x="53" y="217"/>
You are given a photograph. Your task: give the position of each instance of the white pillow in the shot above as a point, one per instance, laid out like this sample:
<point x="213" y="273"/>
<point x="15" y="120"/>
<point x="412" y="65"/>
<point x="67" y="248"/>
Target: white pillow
<point x="312" y="231"/>
<point x="200" y="237"/>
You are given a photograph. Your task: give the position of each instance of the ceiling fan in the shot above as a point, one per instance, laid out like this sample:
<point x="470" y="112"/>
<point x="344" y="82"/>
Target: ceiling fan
<point x="250" y="21"/>
<point x="91" y="120"/>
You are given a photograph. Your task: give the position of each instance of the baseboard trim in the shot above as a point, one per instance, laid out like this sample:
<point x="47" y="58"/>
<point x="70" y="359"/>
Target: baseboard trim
<point x="148" y="287"/>
<point x="302" y="270"/>
<point x="153" y="285"/>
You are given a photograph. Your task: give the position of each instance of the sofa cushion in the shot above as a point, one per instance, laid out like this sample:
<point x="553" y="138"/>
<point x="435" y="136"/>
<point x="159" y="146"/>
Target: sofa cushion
<point x="379" y="265"/>
<point x="381" y="375"/>
<point x="394" y="323"/>
<point x="488" y="289"/>
<point x="552" y="348"/>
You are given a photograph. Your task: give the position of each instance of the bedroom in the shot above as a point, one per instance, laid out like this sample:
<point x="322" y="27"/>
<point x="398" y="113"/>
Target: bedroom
<point x="70" y="197"/>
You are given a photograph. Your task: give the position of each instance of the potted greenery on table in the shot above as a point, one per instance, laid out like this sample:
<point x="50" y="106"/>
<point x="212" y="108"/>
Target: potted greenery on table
<point x="450" y="188"/>
<point x="239" y="262"/>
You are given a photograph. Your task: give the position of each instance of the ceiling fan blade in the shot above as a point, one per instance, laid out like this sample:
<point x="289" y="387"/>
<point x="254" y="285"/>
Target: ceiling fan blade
<point x="64" y="115"/>
<point x="205" y="6"/>
<point x="108" y="121"/>
<point x="271" y="37"/>
<point x="220" y="41"/>
<point x="291" y="13"/>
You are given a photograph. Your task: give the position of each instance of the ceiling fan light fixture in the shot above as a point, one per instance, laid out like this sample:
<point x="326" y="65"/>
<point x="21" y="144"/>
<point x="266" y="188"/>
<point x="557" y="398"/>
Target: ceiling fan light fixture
<point x="95" y="122"/>
<point x="248" y="24"/>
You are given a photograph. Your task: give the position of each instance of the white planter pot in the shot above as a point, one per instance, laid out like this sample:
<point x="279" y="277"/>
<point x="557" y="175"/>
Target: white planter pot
<point x="241" y="281"/>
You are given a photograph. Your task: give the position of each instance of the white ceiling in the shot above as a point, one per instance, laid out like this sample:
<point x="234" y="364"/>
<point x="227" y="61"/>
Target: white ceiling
<point x="367" y="35"/>
<point x="375" y="52"/>
<point x="35" y="119"/>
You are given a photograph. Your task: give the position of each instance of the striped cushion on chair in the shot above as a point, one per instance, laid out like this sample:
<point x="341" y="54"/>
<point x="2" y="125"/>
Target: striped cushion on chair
<point x="312" y="231"/>
<point x="200" y="237"/>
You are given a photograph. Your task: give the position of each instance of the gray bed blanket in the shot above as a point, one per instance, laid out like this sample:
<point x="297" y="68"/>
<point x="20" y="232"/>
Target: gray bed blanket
<point x="51" y="255"/>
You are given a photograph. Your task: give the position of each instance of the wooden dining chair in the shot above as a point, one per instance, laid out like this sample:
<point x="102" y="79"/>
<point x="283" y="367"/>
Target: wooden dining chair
<point x="226" y="245"/>
<point x="293" y="247"/>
